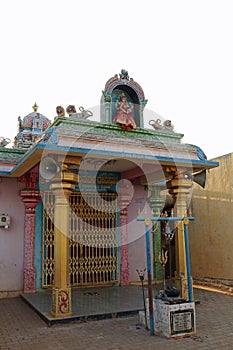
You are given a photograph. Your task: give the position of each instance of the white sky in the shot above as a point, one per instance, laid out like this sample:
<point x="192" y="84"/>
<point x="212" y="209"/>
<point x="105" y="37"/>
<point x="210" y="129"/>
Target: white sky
<point x="179" y="51"/>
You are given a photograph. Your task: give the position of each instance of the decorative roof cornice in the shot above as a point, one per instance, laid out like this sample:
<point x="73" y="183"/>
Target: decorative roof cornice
<point x="11" y="155"/>
<point x="81" y="125"/>
<point x="124" y="79"/>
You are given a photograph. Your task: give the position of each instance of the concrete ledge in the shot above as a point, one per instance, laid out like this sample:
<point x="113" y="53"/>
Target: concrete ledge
<point x="90" y="304"/>
<point x="10" y="294"/>
<point x="224" y="285"/>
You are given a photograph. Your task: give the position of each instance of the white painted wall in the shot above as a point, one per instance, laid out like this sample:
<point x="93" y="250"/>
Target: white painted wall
<point x="11" y="239"/>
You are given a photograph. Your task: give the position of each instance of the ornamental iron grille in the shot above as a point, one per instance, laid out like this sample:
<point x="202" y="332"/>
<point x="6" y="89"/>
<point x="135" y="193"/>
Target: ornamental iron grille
<point x="93" y="239"/>
<point x="48" y="239"/>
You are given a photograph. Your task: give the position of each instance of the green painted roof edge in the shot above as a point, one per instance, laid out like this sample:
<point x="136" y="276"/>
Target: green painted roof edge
<point x="68" y="122"/>
<point x="4" y="150"/>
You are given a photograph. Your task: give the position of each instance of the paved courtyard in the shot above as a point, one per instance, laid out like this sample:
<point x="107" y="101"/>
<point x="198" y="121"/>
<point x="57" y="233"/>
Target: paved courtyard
<point x="21" y="328"/>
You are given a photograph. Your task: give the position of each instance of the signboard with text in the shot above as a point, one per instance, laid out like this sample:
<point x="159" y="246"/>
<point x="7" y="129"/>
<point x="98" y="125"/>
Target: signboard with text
<point x="182" y="321"/>
<point x="101" y="181"/>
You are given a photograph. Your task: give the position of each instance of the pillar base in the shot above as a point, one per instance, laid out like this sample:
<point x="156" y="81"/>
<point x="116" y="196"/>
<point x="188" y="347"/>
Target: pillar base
<point x="29" y="280"/>
<point x="61" y="302"/>
<point x="181" y="283"/>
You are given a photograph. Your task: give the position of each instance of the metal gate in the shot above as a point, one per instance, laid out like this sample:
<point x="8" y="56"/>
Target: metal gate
<point x="93" y="240"/>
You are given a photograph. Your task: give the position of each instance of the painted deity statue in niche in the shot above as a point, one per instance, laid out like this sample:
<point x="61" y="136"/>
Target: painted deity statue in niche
<point x="124" y="113"/>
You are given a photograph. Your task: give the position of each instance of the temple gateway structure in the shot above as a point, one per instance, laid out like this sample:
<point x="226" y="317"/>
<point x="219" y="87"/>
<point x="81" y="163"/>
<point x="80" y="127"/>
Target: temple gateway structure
<point x="73" y="188"/>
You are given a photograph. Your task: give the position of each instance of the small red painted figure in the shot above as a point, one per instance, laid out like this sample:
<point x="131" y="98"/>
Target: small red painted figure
<point x="124" y="115"/>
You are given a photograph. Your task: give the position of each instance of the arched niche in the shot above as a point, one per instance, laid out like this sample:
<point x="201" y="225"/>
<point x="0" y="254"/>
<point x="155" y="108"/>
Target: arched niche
<point x="114" y="88"/>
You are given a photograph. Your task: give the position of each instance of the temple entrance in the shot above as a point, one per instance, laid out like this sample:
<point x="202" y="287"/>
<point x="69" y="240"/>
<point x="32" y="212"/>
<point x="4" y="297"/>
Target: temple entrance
<point x="93" y="240"/>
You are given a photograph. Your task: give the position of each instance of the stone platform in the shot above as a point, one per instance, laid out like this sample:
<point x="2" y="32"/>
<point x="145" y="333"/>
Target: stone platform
<point x="91" y="303"/>
<point x="171" y="320"/>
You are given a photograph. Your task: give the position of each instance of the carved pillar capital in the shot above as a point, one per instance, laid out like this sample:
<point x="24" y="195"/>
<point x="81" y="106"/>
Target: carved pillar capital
<point x="30" y="198"/>
<point x="30" y="178"/>
<point x="155" y="200"/>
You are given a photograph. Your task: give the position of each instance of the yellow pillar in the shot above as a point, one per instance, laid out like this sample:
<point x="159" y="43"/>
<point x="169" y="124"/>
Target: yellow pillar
<point x="179" y="188"/>
<point x="61" y="294"/>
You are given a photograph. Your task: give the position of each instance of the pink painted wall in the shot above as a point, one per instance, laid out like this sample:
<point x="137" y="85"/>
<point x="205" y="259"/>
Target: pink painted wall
<point x="136" y="234"/>
<point x="11" y="239"/>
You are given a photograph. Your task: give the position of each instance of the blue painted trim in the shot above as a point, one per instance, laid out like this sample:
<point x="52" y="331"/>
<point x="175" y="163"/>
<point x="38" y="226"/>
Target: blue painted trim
<point x="53" y="147"/>
<point x="148" y="259"/>
<point x="127" y="155"/>
<point x="112" y="154"/>
<point x="5" y="173"/>
<point x="190" y="291"/>
<point x="169" y="218"/>
<point x="148" y="252"/>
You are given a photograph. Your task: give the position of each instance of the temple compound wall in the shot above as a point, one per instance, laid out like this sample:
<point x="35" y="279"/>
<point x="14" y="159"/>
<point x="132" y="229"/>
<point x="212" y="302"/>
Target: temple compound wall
<point x="211" y="238"/>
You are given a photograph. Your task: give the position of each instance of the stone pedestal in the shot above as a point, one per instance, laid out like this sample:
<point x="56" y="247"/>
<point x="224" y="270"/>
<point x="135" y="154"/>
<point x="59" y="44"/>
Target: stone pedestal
<point x="171" y="320"/>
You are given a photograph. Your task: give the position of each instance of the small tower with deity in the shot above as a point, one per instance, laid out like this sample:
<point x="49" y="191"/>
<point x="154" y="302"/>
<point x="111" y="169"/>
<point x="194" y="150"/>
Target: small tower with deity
<point x="30" y="128"/>
<point x="123" y="102"/>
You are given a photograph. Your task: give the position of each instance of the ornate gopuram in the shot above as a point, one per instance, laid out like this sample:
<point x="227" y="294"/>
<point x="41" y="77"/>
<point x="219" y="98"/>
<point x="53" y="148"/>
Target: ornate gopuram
<point x="80" y="185"/>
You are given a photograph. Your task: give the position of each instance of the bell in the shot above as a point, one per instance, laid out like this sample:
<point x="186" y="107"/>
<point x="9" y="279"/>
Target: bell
<point x="168" y="233"/>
